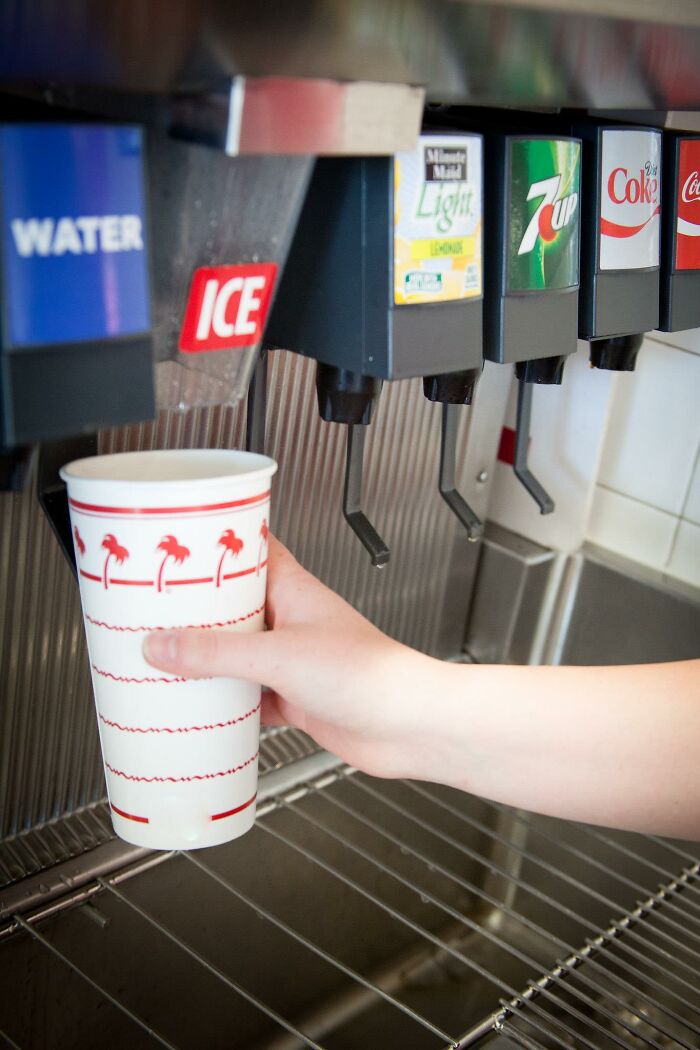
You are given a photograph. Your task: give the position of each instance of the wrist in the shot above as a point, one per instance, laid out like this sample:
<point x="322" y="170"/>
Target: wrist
<point x="423" y="743"/>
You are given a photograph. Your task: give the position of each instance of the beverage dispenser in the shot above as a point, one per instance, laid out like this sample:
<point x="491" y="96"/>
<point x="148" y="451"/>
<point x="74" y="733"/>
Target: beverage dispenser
<point x="383" y="282"/>
<point x="75" y="341"/>
<point x="620" y="226"/>
<point x="680" y="277"/>
<point x="531" y="269"/>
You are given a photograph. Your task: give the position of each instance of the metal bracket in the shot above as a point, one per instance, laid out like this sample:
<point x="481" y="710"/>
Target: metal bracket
<point x="257" y="406"/>
<point x="51" y="491"/>
<point x="522" y="437"/>
<point x="352" y="499"/>
<point x="446" y="483"/>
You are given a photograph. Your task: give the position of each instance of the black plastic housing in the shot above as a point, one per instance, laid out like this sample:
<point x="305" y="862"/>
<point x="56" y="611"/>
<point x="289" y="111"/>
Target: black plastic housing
<point x="335" y="298"/>
<point x="518" y="326"/>
<point x="611" y="302"/>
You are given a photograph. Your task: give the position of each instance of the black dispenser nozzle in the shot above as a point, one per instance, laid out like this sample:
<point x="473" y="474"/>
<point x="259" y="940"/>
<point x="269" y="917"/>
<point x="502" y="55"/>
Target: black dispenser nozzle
<point x="349" y="397"/>
<point x="15" y="467"/>
<point x="544" y="370"/>
<point x="616" y="353"/>
<point x="51" y="490"/>
<point x="452" y="390"/>
<point x="257" y="406"/>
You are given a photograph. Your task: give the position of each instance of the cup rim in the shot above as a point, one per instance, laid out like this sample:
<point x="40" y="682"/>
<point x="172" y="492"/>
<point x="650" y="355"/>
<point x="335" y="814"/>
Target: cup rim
<point x="260" y="466"/>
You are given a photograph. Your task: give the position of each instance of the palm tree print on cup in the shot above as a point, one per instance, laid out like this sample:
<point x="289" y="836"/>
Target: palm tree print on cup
<point x="232" y="545"/>
<point x="114" y="550"/>
<point x="171" y="549"/>
<point x="264" y="533"/>
<point x="79" y="541"/>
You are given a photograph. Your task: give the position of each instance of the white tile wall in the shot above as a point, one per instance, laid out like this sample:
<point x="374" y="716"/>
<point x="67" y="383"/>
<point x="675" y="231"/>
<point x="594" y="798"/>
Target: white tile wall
<point x="654" y="428"/>
<point x="620" y="455"/>
<point x="647" y="501"/>
<point x="688" y="340"/>
<point x="630" y="528"/>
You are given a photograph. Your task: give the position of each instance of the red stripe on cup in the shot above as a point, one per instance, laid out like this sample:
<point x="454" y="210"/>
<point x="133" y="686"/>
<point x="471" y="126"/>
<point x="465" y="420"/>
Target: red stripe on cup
<point x="119" y="582"/>
<point x="129" y="816"/>
<point x="237" y="809"/>
<point x="185" y="583"/>
<point x="176" y="627"/>
<point x="90" y="576"/>
<point x="243" y="572"/>
<point x="99" y="509"/>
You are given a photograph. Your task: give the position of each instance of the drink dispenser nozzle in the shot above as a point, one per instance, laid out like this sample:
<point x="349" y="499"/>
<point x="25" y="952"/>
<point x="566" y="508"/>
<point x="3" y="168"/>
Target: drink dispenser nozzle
<point x="616" y="353"/>
<point x="257" y="406"/>
<point x="348" y="397"/>
<point x="452" y="390"/>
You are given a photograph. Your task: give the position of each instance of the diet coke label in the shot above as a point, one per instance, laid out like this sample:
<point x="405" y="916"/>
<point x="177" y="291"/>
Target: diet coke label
<point x="688" y="218"/>
<point x="630" y="199"/>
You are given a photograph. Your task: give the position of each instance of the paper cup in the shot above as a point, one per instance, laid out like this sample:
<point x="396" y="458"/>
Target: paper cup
<point x="170" y="540"/>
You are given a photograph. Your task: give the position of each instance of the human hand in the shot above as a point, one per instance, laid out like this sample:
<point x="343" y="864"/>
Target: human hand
<point x="329" y="671"/>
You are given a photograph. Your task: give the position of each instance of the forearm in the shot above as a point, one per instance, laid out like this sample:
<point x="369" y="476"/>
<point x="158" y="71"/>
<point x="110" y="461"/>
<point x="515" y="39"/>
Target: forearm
<point x="608" y="745"/>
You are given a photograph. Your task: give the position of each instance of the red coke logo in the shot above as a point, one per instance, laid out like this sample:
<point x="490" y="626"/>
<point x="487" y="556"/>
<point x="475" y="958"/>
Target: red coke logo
<point x="624" y="188"/>
<point x="227" y="307"/>
<point x="691" y="188"/>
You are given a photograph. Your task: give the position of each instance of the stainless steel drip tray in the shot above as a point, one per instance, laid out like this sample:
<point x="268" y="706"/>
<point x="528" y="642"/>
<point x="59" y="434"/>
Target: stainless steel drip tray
<point x="366" y="913"/>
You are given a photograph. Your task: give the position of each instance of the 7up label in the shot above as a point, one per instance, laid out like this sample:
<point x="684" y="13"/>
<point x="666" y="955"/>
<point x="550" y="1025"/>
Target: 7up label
<point x="543" y="219"/>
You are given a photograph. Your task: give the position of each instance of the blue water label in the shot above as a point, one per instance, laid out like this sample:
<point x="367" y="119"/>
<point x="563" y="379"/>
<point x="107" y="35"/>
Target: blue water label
<point x="74" y="263"/>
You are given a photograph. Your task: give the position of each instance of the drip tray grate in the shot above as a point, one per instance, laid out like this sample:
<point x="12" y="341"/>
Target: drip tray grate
<point x="76" y="833"/>
<point x="371" y="913"/>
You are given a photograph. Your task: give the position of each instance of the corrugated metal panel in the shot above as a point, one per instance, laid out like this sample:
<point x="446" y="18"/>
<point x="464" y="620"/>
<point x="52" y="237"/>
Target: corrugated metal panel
<point x="49" y="752"/>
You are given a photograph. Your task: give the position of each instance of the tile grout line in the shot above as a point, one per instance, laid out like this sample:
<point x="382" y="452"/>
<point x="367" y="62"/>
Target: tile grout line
<point x="672" y="346"/>
<point x="636" y="499"/>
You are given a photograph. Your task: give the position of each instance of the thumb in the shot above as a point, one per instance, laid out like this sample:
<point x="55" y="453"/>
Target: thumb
<point x="214" y="654"/>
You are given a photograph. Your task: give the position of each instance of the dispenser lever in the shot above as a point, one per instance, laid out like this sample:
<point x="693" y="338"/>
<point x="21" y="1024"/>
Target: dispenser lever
<point x="522" y="438"/>
<point x="352" y="499"/>
<point x="257" y="406"/>
<point x="448" y="446"/>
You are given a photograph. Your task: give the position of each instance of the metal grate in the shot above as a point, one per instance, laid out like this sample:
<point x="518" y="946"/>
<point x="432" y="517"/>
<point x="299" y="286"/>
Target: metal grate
<point x="363" y="912"/>
<point x="85" y="829"/>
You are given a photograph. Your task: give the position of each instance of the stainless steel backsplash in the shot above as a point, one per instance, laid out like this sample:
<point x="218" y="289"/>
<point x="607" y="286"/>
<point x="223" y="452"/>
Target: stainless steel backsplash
<point x="49" y="749"/>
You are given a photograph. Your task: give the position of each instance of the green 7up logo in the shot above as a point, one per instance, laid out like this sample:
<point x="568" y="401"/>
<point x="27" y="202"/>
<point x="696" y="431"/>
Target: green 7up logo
<point x="543" y="216"/>
<point x="550" y="216"/>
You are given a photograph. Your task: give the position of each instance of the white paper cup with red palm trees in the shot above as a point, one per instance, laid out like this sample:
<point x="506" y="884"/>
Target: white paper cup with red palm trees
<point x="163" y="540"/>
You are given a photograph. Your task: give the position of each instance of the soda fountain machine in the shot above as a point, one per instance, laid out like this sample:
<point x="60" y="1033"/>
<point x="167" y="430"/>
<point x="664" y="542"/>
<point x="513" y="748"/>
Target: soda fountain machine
<point x="531" y="269"/>
<point x="620" y="240"/>
<point x="394" y="243"/>
<point x="181" y="185"/>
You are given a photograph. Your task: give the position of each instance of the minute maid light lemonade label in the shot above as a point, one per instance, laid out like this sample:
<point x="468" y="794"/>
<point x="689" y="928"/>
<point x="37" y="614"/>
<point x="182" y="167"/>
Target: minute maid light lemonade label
<point x="438" y="220"/>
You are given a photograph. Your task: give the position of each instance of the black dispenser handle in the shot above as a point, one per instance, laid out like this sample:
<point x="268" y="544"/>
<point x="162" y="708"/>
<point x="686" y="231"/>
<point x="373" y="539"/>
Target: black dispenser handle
<point x="446" y="480"/>
<point x="452" y="390"/>
<point x="522" y="438"/>
<point x="51" y="490"/>
<point x="349" y="397"/>
<point x="257" y="406"/>
<point x="352" y="499"/>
